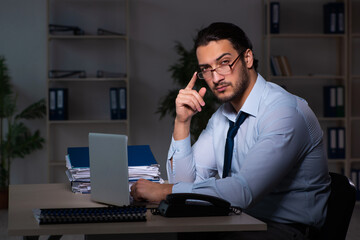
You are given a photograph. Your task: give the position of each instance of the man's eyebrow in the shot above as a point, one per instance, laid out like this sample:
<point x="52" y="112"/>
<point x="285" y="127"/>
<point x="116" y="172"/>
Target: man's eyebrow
<point x="222" y="55"/>
<point x="217" y="59"/>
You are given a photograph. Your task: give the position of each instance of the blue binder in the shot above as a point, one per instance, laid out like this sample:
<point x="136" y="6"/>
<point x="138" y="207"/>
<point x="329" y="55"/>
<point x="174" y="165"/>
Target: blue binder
<point x="114" y="99"/>
<point x="330" y="101"/>
<point x="118" y="103"/>
<point x="79" y="157"/>
<point x="138" y="155"/>
<point x="274" y="17"/>
<point x="62" y="104"/>
<point x="52" y="104"/>
<point x="122" y="103"/>
<point x="336" y="142"/>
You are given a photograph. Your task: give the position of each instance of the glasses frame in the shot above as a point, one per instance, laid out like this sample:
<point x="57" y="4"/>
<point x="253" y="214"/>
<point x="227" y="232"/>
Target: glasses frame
<point x="200" y="73"/>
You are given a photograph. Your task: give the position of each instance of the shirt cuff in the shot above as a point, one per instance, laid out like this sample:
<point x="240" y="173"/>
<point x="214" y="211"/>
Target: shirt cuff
<point x="181" y="148"/>
<point x="182" y="187"/>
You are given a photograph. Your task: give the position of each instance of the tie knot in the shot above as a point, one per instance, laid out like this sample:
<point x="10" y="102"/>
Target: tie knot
<point x="234" y="127"/>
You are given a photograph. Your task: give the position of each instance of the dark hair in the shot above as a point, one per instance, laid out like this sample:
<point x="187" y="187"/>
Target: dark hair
<point x="221" y="30"/>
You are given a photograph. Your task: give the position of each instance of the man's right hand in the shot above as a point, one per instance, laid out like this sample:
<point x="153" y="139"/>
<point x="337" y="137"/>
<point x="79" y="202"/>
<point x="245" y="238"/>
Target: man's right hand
<point x="188" y="103"/>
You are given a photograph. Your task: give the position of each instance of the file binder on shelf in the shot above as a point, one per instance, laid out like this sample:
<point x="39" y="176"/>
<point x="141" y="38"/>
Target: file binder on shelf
<point x="336" y="142"/>
<point x="118" y="103"/>
<point x="334" y="101"/>
<point x="114" y="104"/>
<point x="334" y="18"/>
<point x="122" y="103"/>
<point x="52" y="104"/>
<point x="62" y="104"/>
<point x="58" y="104"/>
<point x="274" y="17"/>
<point x="90" y="215"/>
<point x="340" y="101"/>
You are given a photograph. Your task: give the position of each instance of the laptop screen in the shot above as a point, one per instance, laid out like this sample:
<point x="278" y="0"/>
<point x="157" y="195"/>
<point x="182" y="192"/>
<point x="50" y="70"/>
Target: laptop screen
<point x="109" y="168"/>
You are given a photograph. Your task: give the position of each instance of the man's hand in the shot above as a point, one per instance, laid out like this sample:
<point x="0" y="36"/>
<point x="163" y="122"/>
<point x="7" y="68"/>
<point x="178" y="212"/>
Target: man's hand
<point x="188" y="103"/>
<point x="150" y="191"/>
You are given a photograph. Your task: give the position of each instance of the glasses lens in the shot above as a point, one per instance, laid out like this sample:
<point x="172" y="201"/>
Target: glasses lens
<point x="223" y="69"/>
<point x="200" y="75"/>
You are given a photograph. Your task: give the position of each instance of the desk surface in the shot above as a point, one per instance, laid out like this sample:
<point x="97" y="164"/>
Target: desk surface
<point x="24" y="198"/>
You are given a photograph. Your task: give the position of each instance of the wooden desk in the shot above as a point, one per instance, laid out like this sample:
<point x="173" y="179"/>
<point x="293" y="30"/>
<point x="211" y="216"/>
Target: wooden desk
<point x="24" y="198"/>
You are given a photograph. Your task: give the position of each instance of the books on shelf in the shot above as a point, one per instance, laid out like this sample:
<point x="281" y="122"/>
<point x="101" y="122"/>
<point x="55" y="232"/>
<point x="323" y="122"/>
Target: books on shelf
<point x="355" y="178"/>
<point x="336" y="142"/>
<point x="90" y="215"/>
<point x="141" y="164"/>
<point x="334" y="18"/>
<point x="58" y="103"/>
<point x="334" y="101"/>
<point x="118" y="105"/>
<point x="280" y="66"/>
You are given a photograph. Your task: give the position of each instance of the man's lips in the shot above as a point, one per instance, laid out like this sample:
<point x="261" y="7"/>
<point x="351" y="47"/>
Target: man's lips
<point x="221" y="88"/>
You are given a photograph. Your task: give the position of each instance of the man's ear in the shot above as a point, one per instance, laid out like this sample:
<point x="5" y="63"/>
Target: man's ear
<point x="249" y="58"/>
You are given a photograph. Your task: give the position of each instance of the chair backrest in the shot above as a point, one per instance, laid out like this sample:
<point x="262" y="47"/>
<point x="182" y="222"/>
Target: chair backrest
<point x="340" y="208"/>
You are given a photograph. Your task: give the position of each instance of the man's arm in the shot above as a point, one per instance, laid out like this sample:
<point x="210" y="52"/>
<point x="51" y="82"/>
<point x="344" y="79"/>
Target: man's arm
<point x="188" y="103"/>
<point x="150" y="191"/>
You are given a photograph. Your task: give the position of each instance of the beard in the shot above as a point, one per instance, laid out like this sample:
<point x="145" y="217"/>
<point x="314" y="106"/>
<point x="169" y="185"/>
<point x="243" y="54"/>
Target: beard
<point x="239" y="87"/>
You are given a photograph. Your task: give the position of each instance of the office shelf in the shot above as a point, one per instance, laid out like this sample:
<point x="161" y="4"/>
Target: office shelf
<point x="88" y="97"/>
<point x="316" y="59"/>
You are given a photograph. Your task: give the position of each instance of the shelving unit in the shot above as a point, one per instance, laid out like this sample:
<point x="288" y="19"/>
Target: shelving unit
<point x="354" y="83"/>
<point x="89" y="97"/>
<point x="316" y="59"/>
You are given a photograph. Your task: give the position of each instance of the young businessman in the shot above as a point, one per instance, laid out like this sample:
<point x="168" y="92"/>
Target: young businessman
<point x="275" y="167"/>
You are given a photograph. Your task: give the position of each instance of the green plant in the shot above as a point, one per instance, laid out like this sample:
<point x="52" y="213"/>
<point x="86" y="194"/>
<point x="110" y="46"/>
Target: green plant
<point x="182" y="72"/>
<point x="16" y="139"/>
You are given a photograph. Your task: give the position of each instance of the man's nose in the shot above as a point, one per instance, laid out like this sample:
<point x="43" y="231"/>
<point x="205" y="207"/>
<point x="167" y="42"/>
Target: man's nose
<point x="217" y="77"/>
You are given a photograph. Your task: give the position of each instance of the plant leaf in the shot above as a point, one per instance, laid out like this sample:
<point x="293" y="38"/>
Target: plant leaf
<point x="35" y="110"/>
<point x="20" y="141"/>
<point x="5" y="86"/>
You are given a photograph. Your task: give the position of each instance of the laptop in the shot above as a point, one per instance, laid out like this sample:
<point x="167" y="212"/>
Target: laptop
<point x="109" y="168"/>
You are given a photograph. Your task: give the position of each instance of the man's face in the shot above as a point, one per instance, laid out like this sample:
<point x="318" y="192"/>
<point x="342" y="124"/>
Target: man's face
<point x="229" y="87"/>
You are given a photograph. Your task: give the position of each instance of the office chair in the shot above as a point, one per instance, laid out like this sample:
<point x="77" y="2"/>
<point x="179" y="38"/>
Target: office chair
<point x="340" y="207"/>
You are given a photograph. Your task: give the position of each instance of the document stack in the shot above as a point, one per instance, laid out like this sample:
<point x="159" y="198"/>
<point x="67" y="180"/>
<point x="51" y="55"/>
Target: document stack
<point x="141" y="164"/>
<point x="78" y="170"/>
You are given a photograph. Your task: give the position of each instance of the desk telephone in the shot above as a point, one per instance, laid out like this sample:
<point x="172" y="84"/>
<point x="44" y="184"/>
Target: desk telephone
<point x="194" y="205"/>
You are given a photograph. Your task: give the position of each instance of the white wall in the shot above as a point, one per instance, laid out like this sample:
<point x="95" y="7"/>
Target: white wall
<point x="155" y="25"/>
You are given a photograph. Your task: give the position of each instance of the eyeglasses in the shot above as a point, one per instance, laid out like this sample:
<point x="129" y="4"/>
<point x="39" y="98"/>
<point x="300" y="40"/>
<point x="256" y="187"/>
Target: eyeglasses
<point x="222" y="70"/>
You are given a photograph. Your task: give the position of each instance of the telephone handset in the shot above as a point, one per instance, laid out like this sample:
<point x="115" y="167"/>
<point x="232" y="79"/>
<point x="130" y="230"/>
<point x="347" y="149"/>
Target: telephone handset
<point x="194" y="205"/>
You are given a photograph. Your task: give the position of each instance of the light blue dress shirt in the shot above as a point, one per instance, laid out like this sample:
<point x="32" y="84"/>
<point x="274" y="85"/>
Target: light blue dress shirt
<point x="279" y="168"/>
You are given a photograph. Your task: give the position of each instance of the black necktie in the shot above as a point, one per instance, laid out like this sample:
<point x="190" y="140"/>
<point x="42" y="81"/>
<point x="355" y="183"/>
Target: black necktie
<point x="229" y="146"/>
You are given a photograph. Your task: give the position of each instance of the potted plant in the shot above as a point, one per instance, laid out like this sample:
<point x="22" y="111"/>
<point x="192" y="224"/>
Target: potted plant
<point x="16" y="139"/>
<point x="182" y="72"/>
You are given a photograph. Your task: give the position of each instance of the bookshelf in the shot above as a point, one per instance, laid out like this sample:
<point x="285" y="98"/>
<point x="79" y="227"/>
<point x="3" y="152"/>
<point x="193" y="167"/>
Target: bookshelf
<point x="88" y="97"/>
<point x="354" y="86"/>
<point x="316" y="59"/>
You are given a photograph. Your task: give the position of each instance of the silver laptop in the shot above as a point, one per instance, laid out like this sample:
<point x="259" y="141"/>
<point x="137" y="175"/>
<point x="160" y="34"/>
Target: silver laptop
<point x="109" y="168"/>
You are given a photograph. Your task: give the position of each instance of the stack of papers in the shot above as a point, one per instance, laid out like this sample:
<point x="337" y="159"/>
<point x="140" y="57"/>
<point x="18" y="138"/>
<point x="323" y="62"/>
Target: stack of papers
<point x="78" y="170"/>
<point x="141" y="163"/>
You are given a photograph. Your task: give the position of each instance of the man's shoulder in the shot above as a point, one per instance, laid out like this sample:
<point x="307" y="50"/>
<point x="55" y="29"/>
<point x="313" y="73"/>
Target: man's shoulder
<point x="276" y="96"/>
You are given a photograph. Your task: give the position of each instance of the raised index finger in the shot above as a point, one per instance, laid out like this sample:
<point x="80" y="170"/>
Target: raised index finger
<point x="192" y="82"/>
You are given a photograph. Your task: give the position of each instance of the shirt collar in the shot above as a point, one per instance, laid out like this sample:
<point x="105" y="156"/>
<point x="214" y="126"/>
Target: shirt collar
<point x="252" y="102"/>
